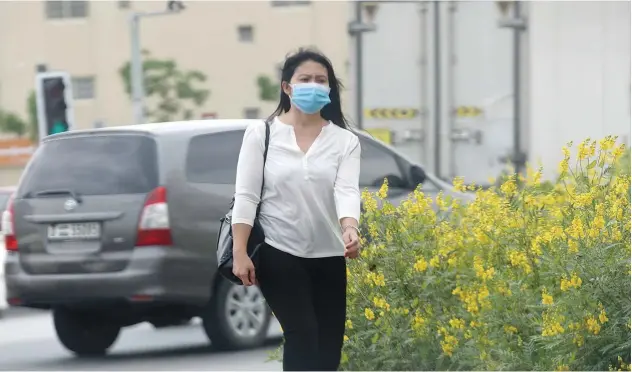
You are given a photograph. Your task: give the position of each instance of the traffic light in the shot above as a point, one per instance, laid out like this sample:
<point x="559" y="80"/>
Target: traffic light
<point x="54" y="106"/>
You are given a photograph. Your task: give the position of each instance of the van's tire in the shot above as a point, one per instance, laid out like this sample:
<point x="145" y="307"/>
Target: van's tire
<point x="236" y="317"/>
<point x="83" y="333"/>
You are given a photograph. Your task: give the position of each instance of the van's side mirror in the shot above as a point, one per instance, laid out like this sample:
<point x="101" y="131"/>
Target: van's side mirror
<point x="417" y="175"/>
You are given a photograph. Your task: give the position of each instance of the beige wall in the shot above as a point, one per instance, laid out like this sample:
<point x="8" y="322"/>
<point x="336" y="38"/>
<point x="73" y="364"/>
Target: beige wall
<point x="203" y="37"/>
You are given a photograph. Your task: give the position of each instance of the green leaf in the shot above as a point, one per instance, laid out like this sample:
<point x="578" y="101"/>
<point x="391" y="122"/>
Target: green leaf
<point x="375" y="338"/>
<point x="170" y="91"/>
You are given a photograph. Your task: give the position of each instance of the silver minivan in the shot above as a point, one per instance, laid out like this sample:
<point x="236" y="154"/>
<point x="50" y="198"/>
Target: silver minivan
<point x="116" y="226"/>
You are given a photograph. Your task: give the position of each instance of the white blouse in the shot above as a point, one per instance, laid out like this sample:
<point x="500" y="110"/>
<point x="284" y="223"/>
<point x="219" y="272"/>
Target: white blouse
<point x="305" y="194"/>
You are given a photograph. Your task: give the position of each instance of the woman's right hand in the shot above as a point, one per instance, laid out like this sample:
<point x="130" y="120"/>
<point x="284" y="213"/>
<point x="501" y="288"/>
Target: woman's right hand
<point x="244" y="269"/>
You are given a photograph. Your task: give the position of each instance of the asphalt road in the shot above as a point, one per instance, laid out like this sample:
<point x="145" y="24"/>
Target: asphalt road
<point x="28" y="342"/>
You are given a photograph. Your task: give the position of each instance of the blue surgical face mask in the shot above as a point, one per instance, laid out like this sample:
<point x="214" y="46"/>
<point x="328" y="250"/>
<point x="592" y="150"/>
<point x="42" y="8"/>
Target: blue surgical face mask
<point x="310" y="97"/>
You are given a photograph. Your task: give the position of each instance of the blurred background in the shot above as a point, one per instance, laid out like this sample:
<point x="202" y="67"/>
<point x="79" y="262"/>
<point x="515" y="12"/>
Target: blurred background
<point x="465" y="88"/>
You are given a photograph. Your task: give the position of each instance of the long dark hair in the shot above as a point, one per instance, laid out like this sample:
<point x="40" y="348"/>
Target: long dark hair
<point x="332" y="111"/>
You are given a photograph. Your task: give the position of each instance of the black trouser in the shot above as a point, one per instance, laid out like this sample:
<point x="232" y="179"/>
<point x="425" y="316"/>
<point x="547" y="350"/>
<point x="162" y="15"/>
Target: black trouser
<point x="309" y="298"/>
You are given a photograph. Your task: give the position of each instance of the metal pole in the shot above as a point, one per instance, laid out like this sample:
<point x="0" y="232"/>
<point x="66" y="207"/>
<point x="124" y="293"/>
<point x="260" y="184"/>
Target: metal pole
<point x="437" y="89"/>
<point x="518" y="160"/>
<point x="136" y="73"/>
<point x="359" y="68"/>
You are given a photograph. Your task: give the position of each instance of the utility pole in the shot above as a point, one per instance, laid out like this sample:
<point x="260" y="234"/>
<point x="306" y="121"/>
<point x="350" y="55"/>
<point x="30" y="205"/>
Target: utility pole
<point x="437" y="87"/>
<point x="517" y="24"/>
<point x="136" y="72"/>
<point x="356" y="28"/>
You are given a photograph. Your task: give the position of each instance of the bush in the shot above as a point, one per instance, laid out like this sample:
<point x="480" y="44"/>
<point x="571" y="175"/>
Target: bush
<point x="530" y="278"/>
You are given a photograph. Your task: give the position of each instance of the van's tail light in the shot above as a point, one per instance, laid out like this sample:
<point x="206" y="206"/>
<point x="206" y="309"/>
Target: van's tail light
<point x="153" y="227"/>
<point x="8" y="229"/>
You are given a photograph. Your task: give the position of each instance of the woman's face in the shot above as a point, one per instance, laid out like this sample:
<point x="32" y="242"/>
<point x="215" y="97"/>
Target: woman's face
<point x="307" y="72"/>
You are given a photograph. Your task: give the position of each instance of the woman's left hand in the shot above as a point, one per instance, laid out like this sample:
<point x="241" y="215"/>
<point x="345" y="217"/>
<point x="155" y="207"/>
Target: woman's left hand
<point x="352" y="243"/>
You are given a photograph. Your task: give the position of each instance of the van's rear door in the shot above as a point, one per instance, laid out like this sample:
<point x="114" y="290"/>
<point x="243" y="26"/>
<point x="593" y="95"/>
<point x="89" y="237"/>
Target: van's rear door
<point x="78" y="205"/>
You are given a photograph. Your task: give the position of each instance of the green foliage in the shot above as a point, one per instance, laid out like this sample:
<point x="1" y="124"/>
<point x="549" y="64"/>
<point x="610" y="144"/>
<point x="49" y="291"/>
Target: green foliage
<point x="171" y="91"/>
<point x="268" y="90"/>
<point x="522" y="278"/>
<point x="31" y="106"/>
<point x="623" y="165"/>
<point x="527" y="277"/>
<point x="12" y="123"/>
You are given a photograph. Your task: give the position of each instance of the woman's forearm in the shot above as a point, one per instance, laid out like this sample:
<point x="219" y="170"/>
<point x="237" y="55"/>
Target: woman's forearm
<point x="241" y="234"/>
<point x="348" y="221"/>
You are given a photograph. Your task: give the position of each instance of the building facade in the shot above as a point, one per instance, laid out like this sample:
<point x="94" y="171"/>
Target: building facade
<point x="231" y="42"/>
<point x="440" y="77"/>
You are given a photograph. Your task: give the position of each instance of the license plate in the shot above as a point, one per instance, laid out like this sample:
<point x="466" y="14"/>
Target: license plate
<point x="71" y="231"/>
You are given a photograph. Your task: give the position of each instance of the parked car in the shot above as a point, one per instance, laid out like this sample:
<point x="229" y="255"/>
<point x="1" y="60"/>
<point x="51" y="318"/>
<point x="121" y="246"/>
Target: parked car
<point x="5" y="193"/>
<point x="116" y="226"/>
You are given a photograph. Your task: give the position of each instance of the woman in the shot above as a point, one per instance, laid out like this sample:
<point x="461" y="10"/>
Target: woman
<point x="309" y="212"/>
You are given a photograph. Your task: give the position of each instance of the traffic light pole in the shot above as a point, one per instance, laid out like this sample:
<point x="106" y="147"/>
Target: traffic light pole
<point x="136" y="73"/>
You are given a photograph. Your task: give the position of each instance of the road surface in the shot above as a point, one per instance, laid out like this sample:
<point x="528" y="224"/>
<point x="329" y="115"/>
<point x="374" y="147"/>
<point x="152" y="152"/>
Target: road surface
<point x="28" y="342"/>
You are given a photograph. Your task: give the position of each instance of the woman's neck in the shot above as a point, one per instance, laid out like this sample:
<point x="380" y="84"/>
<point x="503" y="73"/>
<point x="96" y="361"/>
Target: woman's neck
<point x="301" y="120"/>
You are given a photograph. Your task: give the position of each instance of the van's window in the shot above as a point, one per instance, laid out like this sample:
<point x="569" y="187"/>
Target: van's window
<point x="212" y="158"/>
<point x="376" y="164"/>
<point x="4" y="198"/>
<point x="99" y="165"/>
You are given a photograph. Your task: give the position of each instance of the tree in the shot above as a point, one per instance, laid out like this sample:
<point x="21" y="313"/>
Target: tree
<point x="168" y="89"/>
<point x="31" y="108"/>
<point x="268" y="90"/>
<point x="11" y="123"/>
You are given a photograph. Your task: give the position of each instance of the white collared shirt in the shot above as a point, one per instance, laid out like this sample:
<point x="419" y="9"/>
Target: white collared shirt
<point x="305" y="194"/>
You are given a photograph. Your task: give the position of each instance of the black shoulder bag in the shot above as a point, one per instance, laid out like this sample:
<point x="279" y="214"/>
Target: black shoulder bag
<point x="225" y="236"/>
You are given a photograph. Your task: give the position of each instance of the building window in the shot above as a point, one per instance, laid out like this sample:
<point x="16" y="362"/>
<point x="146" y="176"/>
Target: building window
<point x="124" y="4"/>
<point x="66" y="9"/>
<point x="245" y="33"/>
<point x="252" y="113"/>
<point x="289" y="3"/>
<point x="83" y="88"/>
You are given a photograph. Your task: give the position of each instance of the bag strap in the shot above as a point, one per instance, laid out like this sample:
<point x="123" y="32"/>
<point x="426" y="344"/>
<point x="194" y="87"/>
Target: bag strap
<point x="263" y="170"/>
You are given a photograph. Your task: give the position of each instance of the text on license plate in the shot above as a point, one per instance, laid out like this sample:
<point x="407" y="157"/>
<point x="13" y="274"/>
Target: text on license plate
<point x="87" y="230"/>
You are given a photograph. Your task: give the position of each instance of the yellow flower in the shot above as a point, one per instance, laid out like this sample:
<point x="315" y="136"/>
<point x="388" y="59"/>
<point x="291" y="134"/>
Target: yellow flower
<point x="592" y="325"/>
<point x="418" y="323"/>
<point x="434" y="261"/>
<point x="346" y="338"/>
<point x="562" y="367"/>
<point x="349" y="324"/>
<point x="551" y="324"/>
<point x="547" y="299"/>
<point x="457" y="323"/>
<point x="369" y="314"/>
<point x="448" y="344"/>
<point x="381" y="303"/>
<point x="383" y="192"/>
<point x="510" y="329"/>
<point x="602" y="316"/>
<point x="509" y="187"/>
<point x="374" y="279"/>
<point x="459" y="184"/>
<point x="421" y="265"/>
<point x="574" y="282"/>
<point x="607" y="143"/>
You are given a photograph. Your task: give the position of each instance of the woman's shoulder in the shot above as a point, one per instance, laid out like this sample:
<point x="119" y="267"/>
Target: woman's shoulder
<point x="347" y="135"/>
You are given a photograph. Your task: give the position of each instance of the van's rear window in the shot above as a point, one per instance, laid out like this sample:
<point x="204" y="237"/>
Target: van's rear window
<point x="99" y="165"/>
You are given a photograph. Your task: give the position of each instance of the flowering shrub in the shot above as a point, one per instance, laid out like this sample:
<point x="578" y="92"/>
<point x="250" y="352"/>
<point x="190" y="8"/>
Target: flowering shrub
<point x="522" y="278"/>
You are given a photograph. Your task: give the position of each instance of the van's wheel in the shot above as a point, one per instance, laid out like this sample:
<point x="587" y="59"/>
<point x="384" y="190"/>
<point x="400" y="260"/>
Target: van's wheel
<point x="83" y="333"/>
<point x="237" y="317"/>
